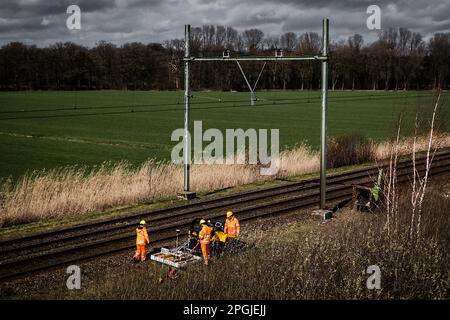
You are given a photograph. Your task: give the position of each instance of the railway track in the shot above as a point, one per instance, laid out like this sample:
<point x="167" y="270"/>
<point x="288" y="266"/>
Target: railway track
<point x="51" y="249"/>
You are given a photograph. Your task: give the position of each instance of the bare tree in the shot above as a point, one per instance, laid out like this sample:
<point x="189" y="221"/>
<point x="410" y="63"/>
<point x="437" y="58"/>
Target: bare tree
<point x="252" y="39"/>
<point x="221" y="34"/>
<point x="272" y="42"/>
<point x="196" y="40"/>
<point x="399" y="59"/>
<point x="288" y="41"/>
<point x="439" y="48"/>
<point x="387" y="45"/>
<point x="231" y="38"/>
<point x="208" y="34"/>
<point x="337" y="63"/>
<point x="308" y="44"/>
<point x="354" y="45"/>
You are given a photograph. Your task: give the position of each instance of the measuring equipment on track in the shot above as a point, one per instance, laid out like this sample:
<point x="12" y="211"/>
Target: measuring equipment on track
<point x="179" y="257"/>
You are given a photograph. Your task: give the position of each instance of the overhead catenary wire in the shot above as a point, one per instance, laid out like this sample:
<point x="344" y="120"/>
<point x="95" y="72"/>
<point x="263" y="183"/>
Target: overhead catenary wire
<point x="340" y="98"/>
<point x="223" y="105"/>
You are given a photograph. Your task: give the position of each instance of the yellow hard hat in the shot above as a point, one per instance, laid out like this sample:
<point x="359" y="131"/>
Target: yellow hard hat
<point x="229" y="214"/>
<point x="202" y="221"/>
<point x="142" y="222"/>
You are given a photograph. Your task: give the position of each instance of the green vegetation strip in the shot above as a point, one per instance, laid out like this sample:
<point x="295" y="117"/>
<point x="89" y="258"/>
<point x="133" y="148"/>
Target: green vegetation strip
<point x="58" y="128"/>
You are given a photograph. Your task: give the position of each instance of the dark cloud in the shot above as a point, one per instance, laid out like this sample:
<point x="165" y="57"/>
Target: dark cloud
<point x="42" y="22"/>
<point x="27" y="8"/>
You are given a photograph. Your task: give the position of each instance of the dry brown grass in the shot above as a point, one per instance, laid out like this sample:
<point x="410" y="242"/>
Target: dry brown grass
<point x="68" y="191"/>
<point x="350" y="149"/>
<point x="304" y="260"/>
<point x="383" y="149"/>
<point x="73" y="190"/>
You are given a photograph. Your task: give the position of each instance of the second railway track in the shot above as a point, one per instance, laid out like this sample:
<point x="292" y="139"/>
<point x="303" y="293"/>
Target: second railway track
<point x="51" y="249"/>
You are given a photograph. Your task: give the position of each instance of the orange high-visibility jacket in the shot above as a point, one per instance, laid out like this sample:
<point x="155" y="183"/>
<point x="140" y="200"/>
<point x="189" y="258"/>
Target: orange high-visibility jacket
<point x="232" y="228"/>
<point x="142" y="236"/>
<point x="205" y="234"/>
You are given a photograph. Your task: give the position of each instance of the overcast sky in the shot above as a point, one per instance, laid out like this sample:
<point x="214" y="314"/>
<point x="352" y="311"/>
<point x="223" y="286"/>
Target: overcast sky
<point x="43" y="22"/>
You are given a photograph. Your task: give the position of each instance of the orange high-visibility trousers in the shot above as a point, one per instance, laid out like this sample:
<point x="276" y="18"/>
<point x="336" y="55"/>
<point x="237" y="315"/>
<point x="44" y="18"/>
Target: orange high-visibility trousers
<point x="205" y="252"/>
<point x="141" y="252"/>
<point x="172" y="273"/>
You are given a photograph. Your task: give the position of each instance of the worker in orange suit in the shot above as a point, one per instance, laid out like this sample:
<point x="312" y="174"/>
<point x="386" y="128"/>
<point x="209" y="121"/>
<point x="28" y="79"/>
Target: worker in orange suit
<point x="142" y="240"/>
<point x="232" y="228"/>
<point x="205" y="239"/>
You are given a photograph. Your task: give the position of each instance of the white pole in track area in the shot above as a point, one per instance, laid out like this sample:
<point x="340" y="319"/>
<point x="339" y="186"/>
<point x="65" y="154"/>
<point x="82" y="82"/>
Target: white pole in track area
<point x="187" y="92"/>
<point x="323" y="137"/>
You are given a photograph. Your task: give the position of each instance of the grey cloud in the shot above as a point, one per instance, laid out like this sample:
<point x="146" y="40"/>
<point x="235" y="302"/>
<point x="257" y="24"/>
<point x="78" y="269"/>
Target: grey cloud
<point x="121" y="21"/>
<point x="47" y="7"/>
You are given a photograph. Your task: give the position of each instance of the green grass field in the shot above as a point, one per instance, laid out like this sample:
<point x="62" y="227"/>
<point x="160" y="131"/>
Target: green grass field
<point x="49" y="129"/>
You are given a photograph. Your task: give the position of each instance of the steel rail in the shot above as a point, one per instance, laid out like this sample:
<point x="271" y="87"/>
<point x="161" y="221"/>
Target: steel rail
<point x="166" y="232"/>
<point x="165" y="235"/>
<point x="114" y="224"/>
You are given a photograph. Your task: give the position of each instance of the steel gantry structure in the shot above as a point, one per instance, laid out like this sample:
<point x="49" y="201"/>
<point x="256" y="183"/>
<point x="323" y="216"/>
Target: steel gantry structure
<point x="323" y="58"/>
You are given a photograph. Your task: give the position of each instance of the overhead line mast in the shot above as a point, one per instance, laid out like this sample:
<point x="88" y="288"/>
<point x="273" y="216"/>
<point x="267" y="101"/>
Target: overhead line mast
<point x="187" y="193"/>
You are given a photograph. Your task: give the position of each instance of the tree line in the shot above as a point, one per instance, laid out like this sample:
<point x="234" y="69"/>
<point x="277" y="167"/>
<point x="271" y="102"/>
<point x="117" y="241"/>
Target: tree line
<point x="399" y="59"/>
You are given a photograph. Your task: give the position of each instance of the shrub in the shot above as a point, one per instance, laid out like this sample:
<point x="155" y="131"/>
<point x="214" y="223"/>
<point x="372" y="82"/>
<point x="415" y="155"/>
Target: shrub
<point x="304" y="260"/>
<point x="349" y="149"/>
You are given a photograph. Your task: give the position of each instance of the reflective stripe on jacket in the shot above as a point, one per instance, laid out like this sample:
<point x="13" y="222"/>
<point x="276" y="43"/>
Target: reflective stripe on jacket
<point x="232" y="228"/>
<point x="205" y="234"/>
<point x="141" y="236"/>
